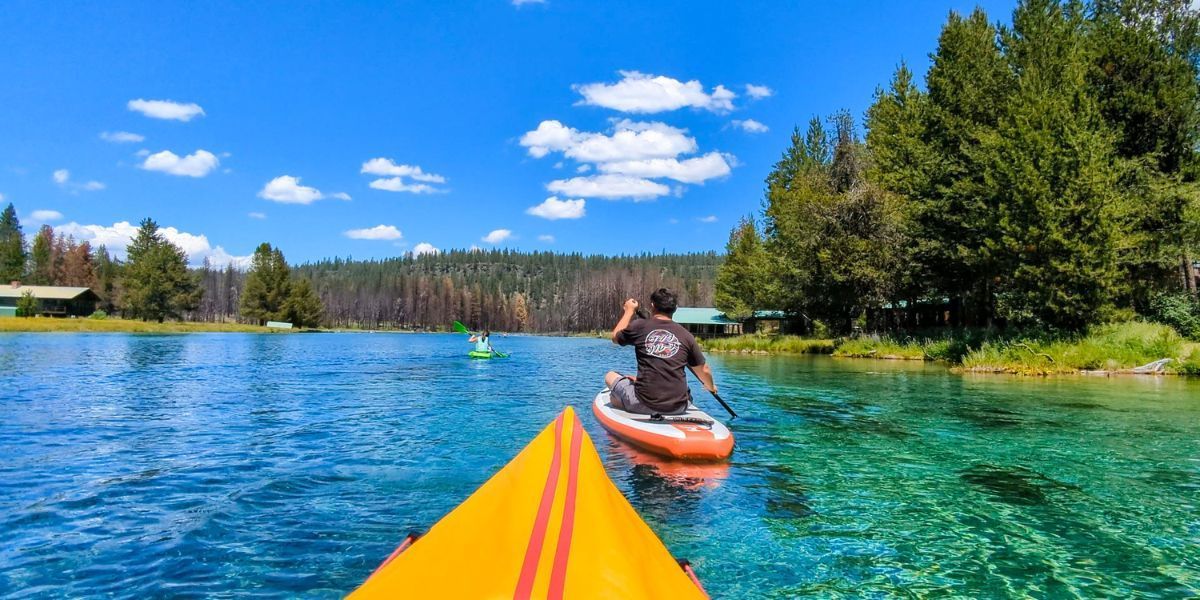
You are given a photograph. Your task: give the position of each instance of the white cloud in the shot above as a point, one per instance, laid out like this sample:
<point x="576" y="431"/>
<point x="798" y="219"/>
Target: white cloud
<point x="378" y="232"/>
<point x="121" y="137"/>
<point x="708" y="219"/>
<point x="44" y="215"/>
<point x="392" y="176"/>
<point x="642" y="93"/>
<point x="287" y="190"/>
<point x="673" y="221"/>
<point x="1" y="197"/>
<point x="549" y="239"/>
<point x="63" y="178"/>
<point x="388" y="168"/>
<point x="609" y="186"/>
<point x="583" y="168"/>
<point x="340" y="196"/>
<point x="549" y="136"/>
<point x="692" y="170"/>
<point x="256" y="215"/>
<point x="143" y="153"/>
<point x="219" y="258"/>
<point x="396" y="184"/>
<point x="758" y="92"/>
<point x="166" y="109"/>
<point x="474" y="248"/>
<point x="117" y="236"/>
<point x="197" y="164"/>
<point x="750" y="126"/>
<point x="524" y="2"/>
<point x="424" y="248"/>
<point x="553" y="209"/>
<point x="629" y="141"/>
<point x="497" y="236"/>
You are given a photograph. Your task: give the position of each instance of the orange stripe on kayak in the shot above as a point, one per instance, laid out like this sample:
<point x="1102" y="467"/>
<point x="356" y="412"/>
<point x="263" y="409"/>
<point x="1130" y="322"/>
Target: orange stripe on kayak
<point x="533" y="552"/>
<point x="558" y="576"/>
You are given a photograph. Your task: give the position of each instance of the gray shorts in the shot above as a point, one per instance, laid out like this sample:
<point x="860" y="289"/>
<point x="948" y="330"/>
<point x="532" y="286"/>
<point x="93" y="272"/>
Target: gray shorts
<point x="624" y="397"/>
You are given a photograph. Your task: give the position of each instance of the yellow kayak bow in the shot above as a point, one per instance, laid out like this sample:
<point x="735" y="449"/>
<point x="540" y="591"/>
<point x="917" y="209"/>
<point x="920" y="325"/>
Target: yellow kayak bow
<point x="550" y="524"/>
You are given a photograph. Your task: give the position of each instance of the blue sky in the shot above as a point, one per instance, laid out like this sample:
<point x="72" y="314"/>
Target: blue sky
<point x="253" y="122"/>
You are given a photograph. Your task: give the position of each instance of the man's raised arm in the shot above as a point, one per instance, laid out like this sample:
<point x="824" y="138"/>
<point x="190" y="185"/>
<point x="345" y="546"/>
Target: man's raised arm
<point x="630" y="308"/>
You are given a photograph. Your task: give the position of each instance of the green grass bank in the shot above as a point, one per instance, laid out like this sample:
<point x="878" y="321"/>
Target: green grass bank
<point x="111" y="325"/>
<point x="1113" y="348"/>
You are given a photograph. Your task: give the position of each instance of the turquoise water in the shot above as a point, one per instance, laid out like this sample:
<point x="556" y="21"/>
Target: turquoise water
<point x="286" y="465"/>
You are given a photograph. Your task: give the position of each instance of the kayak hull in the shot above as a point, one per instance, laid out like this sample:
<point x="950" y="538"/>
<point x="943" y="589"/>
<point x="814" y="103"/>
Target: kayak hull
<point x="479" y="355"/>
<point x="549" y="524"/>
<point x="684" y="440"/>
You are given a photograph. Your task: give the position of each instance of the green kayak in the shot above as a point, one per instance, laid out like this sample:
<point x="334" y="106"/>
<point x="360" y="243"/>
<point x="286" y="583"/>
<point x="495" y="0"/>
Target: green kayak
<point x="478" y="354"/>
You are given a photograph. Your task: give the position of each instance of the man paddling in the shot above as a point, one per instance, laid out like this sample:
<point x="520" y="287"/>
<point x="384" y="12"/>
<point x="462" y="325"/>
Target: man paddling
<point x="663" y="349"/>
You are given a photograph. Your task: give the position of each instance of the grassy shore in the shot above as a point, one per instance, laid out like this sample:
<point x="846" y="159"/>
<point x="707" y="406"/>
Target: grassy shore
<point x="1112" y="348"/>
<point x="769" y="344"/>
<point x="48" y="324"/>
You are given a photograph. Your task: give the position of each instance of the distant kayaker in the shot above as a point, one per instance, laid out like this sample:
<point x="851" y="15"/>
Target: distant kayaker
<point x="663" y="349"/>
<point x="482" y="341"/>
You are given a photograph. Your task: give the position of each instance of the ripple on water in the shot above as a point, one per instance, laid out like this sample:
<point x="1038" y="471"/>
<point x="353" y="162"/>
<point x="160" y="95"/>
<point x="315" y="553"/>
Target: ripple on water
<point x="285" y="466"/>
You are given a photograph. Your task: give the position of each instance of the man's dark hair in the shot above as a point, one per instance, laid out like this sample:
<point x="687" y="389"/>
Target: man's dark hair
<point x="664" y="301"/>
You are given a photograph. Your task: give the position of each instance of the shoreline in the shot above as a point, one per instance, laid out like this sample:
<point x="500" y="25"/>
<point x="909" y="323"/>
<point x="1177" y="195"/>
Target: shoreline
<point x="1122" y="349"/>
<point x="981" y="370"/>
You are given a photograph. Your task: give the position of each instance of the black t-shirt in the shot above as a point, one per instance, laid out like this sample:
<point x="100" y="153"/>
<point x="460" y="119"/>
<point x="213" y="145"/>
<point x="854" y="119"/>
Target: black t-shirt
<point x="664" y="348"/>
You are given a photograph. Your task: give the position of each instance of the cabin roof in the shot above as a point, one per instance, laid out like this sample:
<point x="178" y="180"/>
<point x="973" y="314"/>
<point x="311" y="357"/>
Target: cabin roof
<point x="44" y="292"/>
<point x="701" y="316"/>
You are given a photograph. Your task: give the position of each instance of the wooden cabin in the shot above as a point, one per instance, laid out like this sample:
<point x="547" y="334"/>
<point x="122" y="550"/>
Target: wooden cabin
<point x="52" y="300"/>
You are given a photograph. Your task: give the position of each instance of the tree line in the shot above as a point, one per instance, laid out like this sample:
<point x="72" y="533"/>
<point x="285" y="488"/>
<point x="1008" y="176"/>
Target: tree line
<point x="1044" y="176"/>
<point x="498" y="289"/>
<point x="153" y="282"/>
<point x="502" y="290"/>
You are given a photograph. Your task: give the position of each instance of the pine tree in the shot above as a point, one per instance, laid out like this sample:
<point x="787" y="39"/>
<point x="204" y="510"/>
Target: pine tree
<point x="77" y="269"/>
<point x="520" y="312"/>
<point x="969" y="83"/>
<point x="896" y="137"/>
<point x="901" y="164"/>
<point x="41" y="257"/>
<point x="1144" y="77"/>
<point x="157" y="282"/>
<point x="12" y="246"/>
<point x="268" y="285"/>
<point x="742" y="280"/>
<point x="1053" y="173"/>
<point x="303" y="307"/>
<point x="108" y="280"/>
<point x="27" y="304"/>
<point x="833" y="237"/>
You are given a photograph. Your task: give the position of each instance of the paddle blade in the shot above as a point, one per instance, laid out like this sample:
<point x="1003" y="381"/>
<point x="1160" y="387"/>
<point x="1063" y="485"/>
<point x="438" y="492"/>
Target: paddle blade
<point x="459" y="327"/>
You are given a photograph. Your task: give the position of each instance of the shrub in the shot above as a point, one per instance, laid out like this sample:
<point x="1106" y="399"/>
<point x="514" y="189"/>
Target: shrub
<point x="1179" y="310"/>
<point x="27" y="305"/>
<point x="98" y="315"/>
<point x="1189" y="365"/>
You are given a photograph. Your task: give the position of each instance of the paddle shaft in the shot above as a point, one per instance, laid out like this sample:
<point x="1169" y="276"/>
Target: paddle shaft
<point x="732" y="414"/>
<point x="723" y="405"/>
